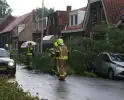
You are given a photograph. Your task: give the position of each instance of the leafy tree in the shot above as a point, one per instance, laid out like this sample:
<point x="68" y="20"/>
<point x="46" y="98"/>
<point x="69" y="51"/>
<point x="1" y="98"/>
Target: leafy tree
<point x="114" y="37"/>
<point x="46" y="11"/>
<point x="4" y="8"/>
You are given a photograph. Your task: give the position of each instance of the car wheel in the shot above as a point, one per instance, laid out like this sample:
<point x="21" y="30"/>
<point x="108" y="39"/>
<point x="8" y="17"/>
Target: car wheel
<point x="110" y="74"/>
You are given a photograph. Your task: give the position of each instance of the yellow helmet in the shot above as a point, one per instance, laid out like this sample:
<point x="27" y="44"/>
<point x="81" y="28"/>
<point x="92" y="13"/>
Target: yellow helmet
<point x="55" y="44"/>
<point x="29" y="43"/>
<point x="60" y="41"/>
<point x="7" y="45"/>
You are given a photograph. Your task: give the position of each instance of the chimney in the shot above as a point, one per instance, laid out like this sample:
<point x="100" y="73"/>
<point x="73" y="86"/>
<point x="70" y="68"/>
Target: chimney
<point x="68" y="8"/>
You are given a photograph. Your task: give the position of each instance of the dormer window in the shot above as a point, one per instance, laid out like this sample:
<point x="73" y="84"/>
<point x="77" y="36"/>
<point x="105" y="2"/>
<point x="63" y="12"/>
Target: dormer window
<point x="76" y="20"/>
<point x="71" y="20"/>
<point x="34" y="18"/>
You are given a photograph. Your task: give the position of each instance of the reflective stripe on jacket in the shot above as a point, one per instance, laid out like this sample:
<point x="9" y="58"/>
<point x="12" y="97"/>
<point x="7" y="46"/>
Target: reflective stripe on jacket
<point x="29" y="53"/>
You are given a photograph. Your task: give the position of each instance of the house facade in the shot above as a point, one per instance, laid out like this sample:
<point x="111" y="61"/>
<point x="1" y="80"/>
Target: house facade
<point x="75" y="25"/>
<point x="19" y="30"/>
<point x="38" y="32"/>
<point x="57" y="22"/>
<point x="102" y="10"/>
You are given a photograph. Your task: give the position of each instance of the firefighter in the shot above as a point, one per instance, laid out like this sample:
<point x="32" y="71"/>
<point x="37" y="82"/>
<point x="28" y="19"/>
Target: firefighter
<point x="29" y="54"/>
<point x="7" y="48"/>
<point x="62" y="58"/>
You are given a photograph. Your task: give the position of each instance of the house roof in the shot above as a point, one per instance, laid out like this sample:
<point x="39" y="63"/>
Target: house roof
<point x="16" y="22"/>
<point x="113" y="9"/>
<point x="2" y="20"/>
<point x="83" y="8"/>
<point x="76" y="28"/>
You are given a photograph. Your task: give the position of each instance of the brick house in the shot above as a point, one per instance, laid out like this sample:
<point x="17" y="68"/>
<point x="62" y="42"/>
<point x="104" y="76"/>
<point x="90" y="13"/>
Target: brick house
<point x="20" y="30"/>
<point x="57" y="22"/>
<point x="76" y="18"/>
<point x="75" y="24"/>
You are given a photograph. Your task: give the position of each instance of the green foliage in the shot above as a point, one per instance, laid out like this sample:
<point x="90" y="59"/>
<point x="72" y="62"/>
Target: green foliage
<point x="43" y="62"/>
<point x="4" y="8"/>
<point x="46" y="11"/>
<point x="12" y="91"/>
<point x="20" y="58"/>
<point x="84" y="49"/>
<point x="89" y="74"/>
<point x="116" y="39"/>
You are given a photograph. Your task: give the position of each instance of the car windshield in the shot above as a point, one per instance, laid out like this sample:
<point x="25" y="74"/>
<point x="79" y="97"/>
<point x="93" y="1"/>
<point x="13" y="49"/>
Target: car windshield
<point x="119" y="58"/>
<point x="4" y="53"/>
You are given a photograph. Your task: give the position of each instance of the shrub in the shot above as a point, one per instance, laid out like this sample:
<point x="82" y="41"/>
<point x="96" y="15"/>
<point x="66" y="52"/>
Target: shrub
<point x="12" y="91"/>
<point x="43" y="62"/>
<point x="21" y="58"/>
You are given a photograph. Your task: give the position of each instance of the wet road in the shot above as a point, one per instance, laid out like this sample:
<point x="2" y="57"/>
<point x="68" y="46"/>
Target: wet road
<point x="74" y="88"/>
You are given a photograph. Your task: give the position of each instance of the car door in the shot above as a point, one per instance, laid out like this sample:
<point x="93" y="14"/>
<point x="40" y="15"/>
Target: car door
<point x="105" y="64"/>
<point x="97" y="63"/>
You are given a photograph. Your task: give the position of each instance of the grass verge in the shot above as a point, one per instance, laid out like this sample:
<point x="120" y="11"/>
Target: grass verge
<point x="12" y="91"/>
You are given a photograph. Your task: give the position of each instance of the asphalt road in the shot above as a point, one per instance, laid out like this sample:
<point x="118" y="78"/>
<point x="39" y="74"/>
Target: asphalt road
<point x="74" y="88"/>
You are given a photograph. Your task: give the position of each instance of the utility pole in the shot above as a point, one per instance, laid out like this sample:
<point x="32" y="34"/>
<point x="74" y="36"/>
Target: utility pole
<point x="42" y="29"/>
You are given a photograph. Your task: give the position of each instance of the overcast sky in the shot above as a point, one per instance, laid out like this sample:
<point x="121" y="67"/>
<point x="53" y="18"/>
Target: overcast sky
<point x="24" y="6"/>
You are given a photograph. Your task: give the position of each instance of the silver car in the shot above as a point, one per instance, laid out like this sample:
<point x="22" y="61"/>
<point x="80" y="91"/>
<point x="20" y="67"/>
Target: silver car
<point x="7" y="64"/>
<point x="109" y="64"/>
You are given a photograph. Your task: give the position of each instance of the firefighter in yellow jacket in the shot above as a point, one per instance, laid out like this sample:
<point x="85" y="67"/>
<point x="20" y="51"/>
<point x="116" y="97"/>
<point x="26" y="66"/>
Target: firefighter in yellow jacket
<point x="7" y="48"/>
<point x="62" y="58"/>
<point x="29" y="54"/>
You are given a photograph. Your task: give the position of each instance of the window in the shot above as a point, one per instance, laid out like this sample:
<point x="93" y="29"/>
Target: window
<point x="119" y="58"/>
<point x="15" y="45"/>
<point x="105" y="57"/>
<point x="76" y="19"/>
<point x="71" y="20"/>
<point x="34" y="18"/>
<point x="94" y="17"/>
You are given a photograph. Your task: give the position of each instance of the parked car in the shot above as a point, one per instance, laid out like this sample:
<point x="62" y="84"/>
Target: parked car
<point x="109" y="64"/>
<point x="7" y="64"/>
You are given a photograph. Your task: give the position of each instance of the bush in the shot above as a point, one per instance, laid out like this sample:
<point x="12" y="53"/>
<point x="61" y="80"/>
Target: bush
<point x="21" y="58"/>
<point x="43" y="62"/>
<point x="12" y="91"/>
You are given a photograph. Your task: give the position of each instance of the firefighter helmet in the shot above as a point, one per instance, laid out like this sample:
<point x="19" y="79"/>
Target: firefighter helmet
<point x="55" y="44"/>
<point x="60" y="41"/>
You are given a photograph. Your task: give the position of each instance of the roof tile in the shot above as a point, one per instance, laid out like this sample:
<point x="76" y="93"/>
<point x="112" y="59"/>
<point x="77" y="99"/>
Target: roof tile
<point x="113" y="9"/>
